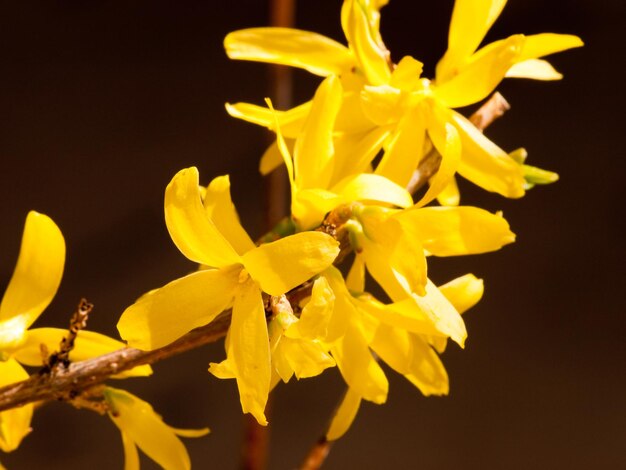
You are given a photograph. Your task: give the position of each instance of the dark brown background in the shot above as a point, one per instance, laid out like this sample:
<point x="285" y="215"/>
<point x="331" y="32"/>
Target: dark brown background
<point x="101" y="102"/>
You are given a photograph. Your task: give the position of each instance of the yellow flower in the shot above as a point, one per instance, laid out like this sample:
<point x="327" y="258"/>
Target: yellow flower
<point x="392" y="243"/>
<point x="317" y="177"/>
<point x="212" y="236"/>
<point x="394" y="107"/>
<point x="291" y="356"/>
<point x="141" y="427"/>
<point x="412" y="354"/>
<point x="35" y="281"/>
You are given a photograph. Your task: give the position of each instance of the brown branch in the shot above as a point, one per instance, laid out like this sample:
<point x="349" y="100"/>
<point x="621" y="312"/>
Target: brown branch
<point x="483" y="117"/>
<point x="317" y="455"/>
<point x="68" y="383"/>
<point x="77" y="322"/>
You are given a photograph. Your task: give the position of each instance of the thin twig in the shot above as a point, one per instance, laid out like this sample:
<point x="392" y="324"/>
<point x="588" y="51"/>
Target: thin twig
<point x="482" y="118"/>
<point x="317" y="454"/>
<point x="77" y="322"/>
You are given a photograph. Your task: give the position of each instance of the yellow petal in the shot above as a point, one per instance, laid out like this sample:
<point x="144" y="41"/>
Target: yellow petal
<point x="406" y="75"/>
<point x="310" y="206"/>
<point x="37" y="274"/>
<point x="131" y="456"/>
<point x="306" y="358"/>
<point x="361" y="30"/>
<point x="449" y="195"/>
<point x="451" y="231"/>
<point x="446" y="140"/>
<point x="354" y="152"/>
<point x="164" y="315"/>
<point x="485" y="164"/>
<point x="356" y="277"/>
<point x="290" y="121"/>
<point x="404" y="314"/>
<point x="535" y="69"/>
<point x="249" y="351"/>
<point x="311" y="51"/>
<point x="481" y="76"/>
<point x="286" y="263"/>
<point x="405" y="150"/>
<point x="442" y="313"/>
<point x="316" y="314"/>
<point x="463" y="292"/>
<point x="471" y="19"/>
<point x="358" y="368"/>
<point x="191" y="230"/>
<point x="314" y="149"/>
<point x="351" y="119"/>
<point x="272" y="158"/>
<point x="190" y="432"/>
<point x="136" y="418"/>
<point x="394" y="260"/>
<point x="411" y="356"/>
<point x="540" y="45"/>
<point x="370" y="187"/>
<point x="88" y="345"/>
<point x="14" y="423"/>
<point x="222" y="212"/>
<point x="344" y="415"/>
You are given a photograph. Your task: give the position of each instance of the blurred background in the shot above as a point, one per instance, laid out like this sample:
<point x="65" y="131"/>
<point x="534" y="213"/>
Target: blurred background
<point x="102" y="102"/>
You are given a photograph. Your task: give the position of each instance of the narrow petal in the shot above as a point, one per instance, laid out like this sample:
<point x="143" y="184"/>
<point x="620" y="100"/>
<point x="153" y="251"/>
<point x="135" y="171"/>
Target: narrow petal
<point x="540" y="45"/>
<point x="485" y="164"/>
<point x="344" y="415"/>
<point x="146" y="429"/>
<point x="412" y="357"/>
<point x="131" y="455"/>
<point x="366" y="187"/>
<point x="310" y="206"/>
<point x="88" y="345"/>
<point x="442" y="313"/>
<point x="314" y="149"/>
<point x="356" y="277"/>
<point x="451" y="231"/>
<point x="306" y="358"/>
<point x="535" y="69"/>
<point x="405" y="150"/>
<point x="446" y="140"/>
<point x="365" y="42"/>
<point x="221" y="210"/>
<point x="291" y="121"/>
<point x="286" y="263"/>
<point x="471" y="19"/>
<point x="450" y="195"/>
<point x="14" y="423"/>
<point x="164" y="315"/>
<point x="191" y="230"/>
<point x="310" y="51"/>
<point x="316" y="314"/>
<point x="249" y="351"/>
<point x="358" y="368"/>
<point x="271" y="159"/>
<point x="463" y="292"/>
<point x="354" y="152"/>
<point x="404" y="314"/>
<point x="396" y="261"/>
<point x="481" y="76"/>
<point x="37" y="274"/>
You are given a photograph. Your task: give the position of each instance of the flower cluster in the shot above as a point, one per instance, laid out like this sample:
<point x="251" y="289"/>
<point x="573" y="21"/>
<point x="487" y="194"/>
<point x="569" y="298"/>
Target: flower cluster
<point x="344" y="282"/>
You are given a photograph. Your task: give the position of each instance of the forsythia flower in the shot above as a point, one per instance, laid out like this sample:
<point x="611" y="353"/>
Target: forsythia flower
<point x="211" y="235"/>
<point x="393" y="107"/>
<point x="354" y="324"/>
<point x="141" y="427"/>
<point x="34" y="283"/>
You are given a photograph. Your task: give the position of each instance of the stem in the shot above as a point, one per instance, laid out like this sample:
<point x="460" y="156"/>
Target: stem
<point x="317" y="455"/>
